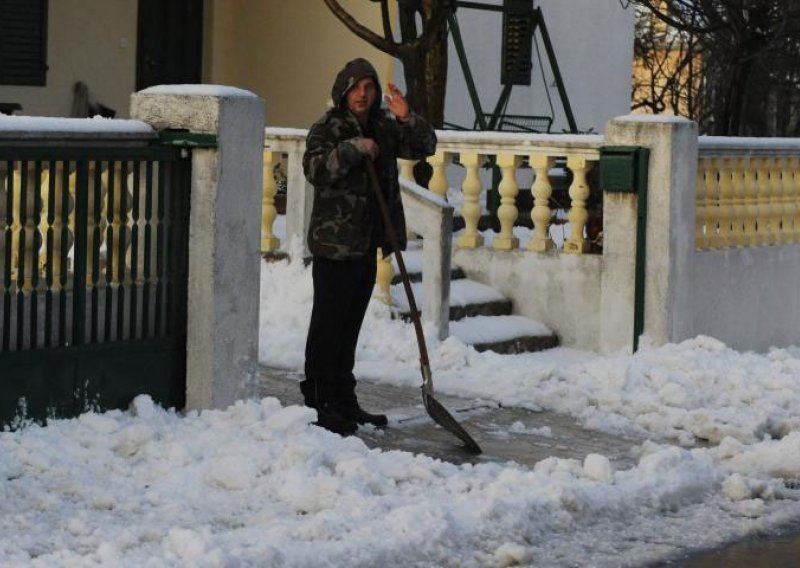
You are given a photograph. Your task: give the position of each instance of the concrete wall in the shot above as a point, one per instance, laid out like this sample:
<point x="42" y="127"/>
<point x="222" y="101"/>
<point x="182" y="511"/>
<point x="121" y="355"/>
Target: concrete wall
<point x="748" y="298"/>
<point x="89" y="41"/>
<point x="561" y="291"/>
<point x="593" y="42"/>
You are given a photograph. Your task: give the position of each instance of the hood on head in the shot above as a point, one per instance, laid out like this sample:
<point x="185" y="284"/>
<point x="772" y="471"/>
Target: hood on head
<point x="352" y="73"/>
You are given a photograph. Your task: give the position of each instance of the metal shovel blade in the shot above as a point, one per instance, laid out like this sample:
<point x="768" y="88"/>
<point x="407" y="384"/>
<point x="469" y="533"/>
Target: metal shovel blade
<point x="444" y="419"/>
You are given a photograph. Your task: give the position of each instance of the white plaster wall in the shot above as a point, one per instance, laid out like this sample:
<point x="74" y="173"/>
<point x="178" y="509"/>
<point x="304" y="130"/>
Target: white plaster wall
<point x="562" y="291"/>
<point x="748" y="298"/>
<point x="89" y="41"/>
<point x="593" y="43"/>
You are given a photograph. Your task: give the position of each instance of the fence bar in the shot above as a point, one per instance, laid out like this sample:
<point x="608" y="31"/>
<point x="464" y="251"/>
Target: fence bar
<point x="8" y="248"/>
<point x="94" y="249"/>
<point x="79" y="267"/>
<point x="120" y="216"/>
<point x="22" y="260"/>
<point x="63" y="258"/>
<point x="160" y="247"/>
<point x="148" y="238"/>
<point x="134" y="288"/>
<point x="37" y="243"/>
<point x="50" y="239"/>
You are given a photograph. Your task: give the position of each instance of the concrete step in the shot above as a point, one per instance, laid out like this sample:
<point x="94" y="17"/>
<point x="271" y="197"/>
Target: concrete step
<point x="456" y="273"/>
<point x="480" y="315"/>
<point x="467" y="299"/>
<point x="508" y="334"/>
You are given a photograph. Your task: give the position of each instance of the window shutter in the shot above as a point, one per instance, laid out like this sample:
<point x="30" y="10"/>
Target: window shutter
<point x="23" y="42"/>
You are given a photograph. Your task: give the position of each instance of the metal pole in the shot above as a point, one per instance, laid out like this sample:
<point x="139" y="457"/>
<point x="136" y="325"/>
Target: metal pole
<point x="551" y="56"/>
<point x="462" y="57"/>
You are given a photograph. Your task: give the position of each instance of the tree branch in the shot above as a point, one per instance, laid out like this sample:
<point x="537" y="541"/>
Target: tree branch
<point x="376" y="41"/>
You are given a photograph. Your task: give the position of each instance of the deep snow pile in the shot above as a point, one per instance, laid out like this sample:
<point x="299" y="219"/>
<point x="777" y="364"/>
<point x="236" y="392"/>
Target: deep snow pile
<point x="255" y="485"/>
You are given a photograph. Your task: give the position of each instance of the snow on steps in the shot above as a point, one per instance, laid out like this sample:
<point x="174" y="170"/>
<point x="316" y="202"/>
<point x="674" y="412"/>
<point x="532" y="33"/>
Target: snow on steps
<point x="480" y="315"/>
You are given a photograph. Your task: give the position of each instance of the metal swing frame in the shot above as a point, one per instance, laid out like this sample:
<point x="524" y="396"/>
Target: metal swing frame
<point x="497" y="119"/>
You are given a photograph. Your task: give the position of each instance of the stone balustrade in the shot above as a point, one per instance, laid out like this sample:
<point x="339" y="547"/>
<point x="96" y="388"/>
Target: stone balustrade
<point x="748" y="192"/>
<point x="510" y="153"/>
<point x="476" y="153"/>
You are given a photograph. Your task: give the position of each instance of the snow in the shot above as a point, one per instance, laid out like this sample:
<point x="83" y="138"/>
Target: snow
<point x="462" y="292"/>
<point x="653" y="118"/>
<point x="256" y="485"/>
<point x="485" y="329"/>
<point x="50" y="125"/>
<point x="197" y="90"/>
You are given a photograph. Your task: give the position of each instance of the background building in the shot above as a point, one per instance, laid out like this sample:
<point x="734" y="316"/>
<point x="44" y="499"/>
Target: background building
<point x="288" y="53"/>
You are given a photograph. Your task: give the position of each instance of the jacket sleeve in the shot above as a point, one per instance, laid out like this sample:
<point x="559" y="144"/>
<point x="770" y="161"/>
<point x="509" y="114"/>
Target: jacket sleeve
<point x="326" y="159"/>
<point x="417" y="138"/>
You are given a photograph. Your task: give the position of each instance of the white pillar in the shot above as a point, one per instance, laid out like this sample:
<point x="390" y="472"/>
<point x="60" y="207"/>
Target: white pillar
<point x="300" y="196"/>
<point x="224" y="233"/>
<point x="668" y="313"/>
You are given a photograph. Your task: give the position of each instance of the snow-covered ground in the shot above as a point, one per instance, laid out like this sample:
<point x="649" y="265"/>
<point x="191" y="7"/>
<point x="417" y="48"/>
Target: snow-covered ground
<point x="255" y="485"/>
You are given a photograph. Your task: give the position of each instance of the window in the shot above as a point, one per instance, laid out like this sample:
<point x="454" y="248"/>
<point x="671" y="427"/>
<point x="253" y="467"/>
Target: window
<point x="23" y="42"/>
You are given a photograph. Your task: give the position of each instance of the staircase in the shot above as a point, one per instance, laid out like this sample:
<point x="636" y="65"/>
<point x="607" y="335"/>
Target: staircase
<point x="480" y="316"/>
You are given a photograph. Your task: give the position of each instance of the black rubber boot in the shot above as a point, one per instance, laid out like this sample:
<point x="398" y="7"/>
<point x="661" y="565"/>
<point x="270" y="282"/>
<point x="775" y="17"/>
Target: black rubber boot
<point x="328" y="415"/>
<point x="334" y="421"/>
<point x="357" y="414"/>
<point x="361" y="416"/>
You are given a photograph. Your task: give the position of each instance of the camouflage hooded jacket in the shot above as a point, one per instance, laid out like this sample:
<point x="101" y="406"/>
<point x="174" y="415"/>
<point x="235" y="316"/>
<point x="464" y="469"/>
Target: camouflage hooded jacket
<point x="345" y="220"/>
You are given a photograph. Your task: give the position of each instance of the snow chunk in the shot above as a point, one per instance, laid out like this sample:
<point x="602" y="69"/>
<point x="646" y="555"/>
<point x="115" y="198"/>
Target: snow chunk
<point x="511" y="554"/>
<point x="232" y="473"/>
<point x="598" y="467"/>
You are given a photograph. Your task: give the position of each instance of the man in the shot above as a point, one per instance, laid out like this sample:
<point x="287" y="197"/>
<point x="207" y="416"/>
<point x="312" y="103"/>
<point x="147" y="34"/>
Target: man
<point x="346" y="229"/>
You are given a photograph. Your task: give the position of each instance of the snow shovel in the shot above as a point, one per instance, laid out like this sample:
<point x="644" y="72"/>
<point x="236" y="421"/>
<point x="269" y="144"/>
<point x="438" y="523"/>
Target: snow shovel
<point x="434" y="408"/>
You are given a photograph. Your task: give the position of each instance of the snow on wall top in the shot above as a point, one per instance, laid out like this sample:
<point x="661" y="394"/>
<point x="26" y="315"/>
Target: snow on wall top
<point x="198" y="90"/>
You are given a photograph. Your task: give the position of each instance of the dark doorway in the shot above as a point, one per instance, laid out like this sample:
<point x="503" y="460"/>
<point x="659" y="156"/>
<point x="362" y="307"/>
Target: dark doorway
<point x="170" y="42"/>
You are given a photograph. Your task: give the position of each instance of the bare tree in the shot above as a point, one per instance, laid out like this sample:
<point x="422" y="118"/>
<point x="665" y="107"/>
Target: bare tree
<point x="749" y="50"/>
<point x="665" y="68"/>
<point x="422" y="48"/>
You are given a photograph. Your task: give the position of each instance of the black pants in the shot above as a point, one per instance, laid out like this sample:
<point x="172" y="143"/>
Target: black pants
<point x="342" y="289"/>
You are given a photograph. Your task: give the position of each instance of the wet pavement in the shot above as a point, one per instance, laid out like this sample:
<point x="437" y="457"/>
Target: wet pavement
<point x="504" y="434"/>
<point x="524" y="437"/>
<point x="775" y="551"/>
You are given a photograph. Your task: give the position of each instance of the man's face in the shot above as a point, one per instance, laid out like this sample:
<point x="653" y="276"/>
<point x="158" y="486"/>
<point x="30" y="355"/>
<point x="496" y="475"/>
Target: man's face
<point x="361" y="97"/>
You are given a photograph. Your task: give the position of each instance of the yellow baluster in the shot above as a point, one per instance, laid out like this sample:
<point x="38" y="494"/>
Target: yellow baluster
<point x="269" y="242"/>
<point x="725" y="202"/>
<point x="738" y="207"/>
<point x="471" y="211"/>
<point x="118" y="219"/>
<point x="95" y="227"/>
<point x="776" y="201"/>
<point x="406" y="169"/>
<point x="750" y="191"/>
<point x="383" y="277"/>
<point x="579" y="193"/>
<point x="52" y="222"/>
<point x="701" y="221"/>
<point x="23" y="229"/>
<point x="438" y="183"/>
<point x="507" y="212"/>
<point x="787" y="201"/>
<point x="764" y="219"/>
<point x="542" y="189"/>
<point x="712" y="197"/>
<point x="793" y="180"/>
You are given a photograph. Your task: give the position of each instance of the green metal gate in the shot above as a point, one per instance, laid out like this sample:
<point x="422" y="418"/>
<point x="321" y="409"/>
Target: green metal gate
<point x="93" y="280"/>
